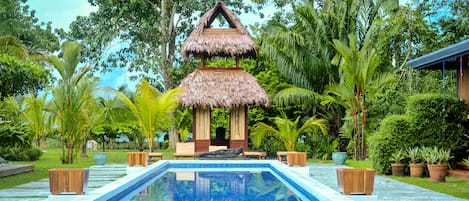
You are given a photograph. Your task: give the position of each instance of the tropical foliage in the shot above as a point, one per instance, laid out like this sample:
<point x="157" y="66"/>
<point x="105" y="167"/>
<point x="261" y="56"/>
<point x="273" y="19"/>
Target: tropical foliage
<point x="359" y="79"/>
<point x="18" y="73"/>
<point x="287" y="131"/>
<point x="152" y="109"/>
<point x="71" y="97"/>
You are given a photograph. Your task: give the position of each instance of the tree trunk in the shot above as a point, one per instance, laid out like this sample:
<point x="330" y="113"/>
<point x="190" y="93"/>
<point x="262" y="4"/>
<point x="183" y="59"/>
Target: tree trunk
<point x="83" y="154"/>
<point x="173" y="137"/>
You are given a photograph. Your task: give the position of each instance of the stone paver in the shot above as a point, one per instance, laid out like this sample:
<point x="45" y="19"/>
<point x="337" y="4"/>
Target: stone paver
<point x="39" y="190"/>
<point x="385" y="189"/>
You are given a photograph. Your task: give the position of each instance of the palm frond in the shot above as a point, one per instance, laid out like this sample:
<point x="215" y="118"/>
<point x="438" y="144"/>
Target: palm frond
<point x="294" y="96"/>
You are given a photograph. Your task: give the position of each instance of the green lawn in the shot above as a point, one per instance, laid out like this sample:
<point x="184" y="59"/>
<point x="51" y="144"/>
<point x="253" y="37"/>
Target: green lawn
<point x="51" y="159"/>
<point x="453" y="185"/>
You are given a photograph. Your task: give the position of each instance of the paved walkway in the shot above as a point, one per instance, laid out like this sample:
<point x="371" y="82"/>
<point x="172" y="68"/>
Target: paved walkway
<point x="39" y="190"/>
<point x="385" y="189"/>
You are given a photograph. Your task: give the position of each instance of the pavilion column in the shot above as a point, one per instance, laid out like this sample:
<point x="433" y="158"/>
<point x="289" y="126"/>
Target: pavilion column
<point x="463" y="85"/>
<point x="201" y="130"/>
<point x="238" y="128"/>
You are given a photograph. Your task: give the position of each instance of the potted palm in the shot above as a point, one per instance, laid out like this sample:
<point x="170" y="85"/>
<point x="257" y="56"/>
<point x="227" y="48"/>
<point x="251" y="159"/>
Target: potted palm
<point x="416" y="168"/>
<point x="437" y="162"/>
<point x="397" y="166"/>
<point x="287" y="132"/>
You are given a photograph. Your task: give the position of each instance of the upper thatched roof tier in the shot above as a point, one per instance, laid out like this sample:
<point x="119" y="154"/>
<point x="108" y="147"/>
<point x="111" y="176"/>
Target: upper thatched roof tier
<point x="222" y="88"/>
<point x="206" y="41"/>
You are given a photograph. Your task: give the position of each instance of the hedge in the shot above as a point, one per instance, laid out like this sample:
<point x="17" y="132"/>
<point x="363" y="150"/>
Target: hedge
<point x="430" y="120"/>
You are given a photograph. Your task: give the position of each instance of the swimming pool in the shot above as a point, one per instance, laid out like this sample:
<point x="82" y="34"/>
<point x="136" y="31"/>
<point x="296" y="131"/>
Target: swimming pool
<point x="131" y="185"/>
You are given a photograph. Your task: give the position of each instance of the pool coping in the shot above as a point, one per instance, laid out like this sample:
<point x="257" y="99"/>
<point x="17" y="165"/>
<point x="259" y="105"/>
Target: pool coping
<point x="300" y="181"/>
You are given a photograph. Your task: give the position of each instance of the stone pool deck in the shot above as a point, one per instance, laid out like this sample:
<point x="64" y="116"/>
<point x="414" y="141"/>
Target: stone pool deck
<point x="385" y="189"/>
<point x="39" y="190"/>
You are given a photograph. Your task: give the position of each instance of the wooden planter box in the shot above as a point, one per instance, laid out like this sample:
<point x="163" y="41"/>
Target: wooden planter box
<point x="296" y="158"/>
<point x="137" y="159"/>
<point x="68" y="181"/>
<point x="355" y="180"/>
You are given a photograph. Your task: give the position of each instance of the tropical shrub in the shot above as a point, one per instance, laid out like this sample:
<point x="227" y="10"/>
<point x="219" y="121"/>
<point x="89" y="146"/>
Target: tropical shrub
<point x="392" y="136"/>
<point x="437" y="120"/>
<point x="17" y="153"/>
<point x="430" y="120"/>
<point x="286" y="130"/>
<point x="12" y="135"/>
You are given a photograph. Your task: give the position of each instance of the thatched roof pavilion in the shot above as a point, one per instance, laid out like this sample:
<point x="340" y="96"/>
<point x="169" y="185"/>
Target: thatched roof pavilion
<point x="230" y="88"/>
<point x="209" y="42"/>
<point x="222" y="88"/>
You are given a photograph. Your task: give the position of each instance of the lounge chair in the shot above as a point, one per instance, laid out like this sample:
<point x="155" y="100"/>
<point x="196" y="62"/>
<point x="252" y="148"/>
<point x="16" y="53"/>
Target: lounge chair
<point x="184" y="149"/>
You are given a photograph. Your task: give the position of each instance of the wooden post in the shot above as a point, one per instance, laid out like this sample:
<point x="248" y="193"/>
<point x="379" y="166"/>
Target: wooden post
<point x="202" y="61"/>
<point x="68" y="180"/>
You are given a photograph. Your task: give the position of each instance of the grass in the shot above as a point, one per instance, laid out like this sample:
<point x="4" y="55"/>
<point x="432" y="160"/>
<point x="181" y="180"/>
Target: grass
<point x="51" y="159"/>
<point x="453" y="186"/>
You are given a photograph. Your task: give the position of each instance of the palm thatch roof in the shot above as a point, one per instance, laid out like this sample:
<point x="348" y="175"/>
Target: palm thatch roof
<point x="206" y="41"/>
<point x="222" y="88"/>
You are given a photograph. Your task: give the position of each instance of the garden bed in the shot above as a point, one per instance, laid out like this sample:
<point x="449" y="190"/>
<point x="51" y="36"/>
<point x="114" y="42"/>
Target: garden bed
<point x="15" y="169"/>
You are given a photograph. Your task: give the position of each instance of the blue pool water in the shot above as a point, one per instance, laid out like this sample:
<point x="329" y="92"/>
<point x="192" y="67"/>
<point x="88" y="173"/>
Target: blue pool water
<point x="221" y="180"/>
<point x="220" y="186"/>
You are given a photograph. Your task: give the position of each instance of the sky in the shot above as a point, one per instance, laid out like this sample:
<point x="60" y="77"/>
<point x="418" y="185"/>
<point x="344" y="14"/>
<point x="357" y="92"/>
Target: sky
<point x="62" y="12"/>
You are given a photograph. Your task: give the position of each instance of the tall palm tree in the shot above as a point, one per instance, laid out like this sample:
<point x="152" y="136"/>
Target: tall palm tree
<point x="359" y="79"/>
<point x="152" y="109"/>
<point x="303" y="51"/>
<point x="286" y="130"/>
<point x="70" y="98"/>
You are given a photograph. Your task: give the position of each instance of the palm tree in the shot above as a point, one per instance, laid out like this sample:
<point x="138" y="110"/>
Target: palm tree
<point x="286" y="130"/>
<point x="152" y="109"/>
<point x="70" y="99"/>
<point x="359" y="79"/>
<point x="36" y="116"/>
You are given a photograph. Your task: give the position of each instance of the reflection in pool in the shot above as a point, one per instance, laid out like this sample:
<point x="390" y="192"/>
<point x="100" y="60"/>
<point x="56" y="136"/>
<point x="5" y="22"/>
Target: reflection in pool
<point x="220" y="186"/>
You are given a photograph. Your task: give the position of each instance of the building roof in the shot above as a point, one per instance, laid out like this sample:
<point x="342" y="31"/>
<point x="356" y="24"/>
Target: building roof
<point x="222" y="88"/>
<point x="206" y="41"/>
<point x="449" y="55"/>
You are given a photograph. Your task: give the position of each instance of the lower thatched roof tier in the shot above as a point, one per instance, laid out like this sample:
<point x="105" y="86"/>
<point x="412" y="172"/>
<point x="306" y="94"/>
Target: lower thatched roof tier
<point x="222" y="88"/>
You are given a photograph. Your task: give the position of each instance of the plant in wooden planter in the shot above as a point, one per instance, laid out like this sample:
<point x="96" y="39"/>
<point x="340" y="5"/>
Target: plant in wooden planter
<point x="288" y="132"/>
<point x="398" y="167"/>
<point x="437" y="162"/>
<point x="416" y="166"/>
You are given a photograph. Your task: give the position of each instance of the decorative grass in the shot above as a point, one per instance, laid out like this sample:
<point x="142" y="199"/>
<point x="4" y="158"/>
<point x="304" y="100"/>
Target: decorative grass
<point x="51" y="159"/>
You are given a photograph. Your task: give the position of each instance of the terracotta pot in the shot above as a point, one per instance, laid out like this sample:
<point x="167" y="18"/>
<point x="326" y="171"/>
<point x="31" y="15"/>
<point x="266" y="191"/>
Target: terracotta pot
<point x="398" y="169"/>
<point x="437" y="172"/>
<point x="416" y="169"/>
